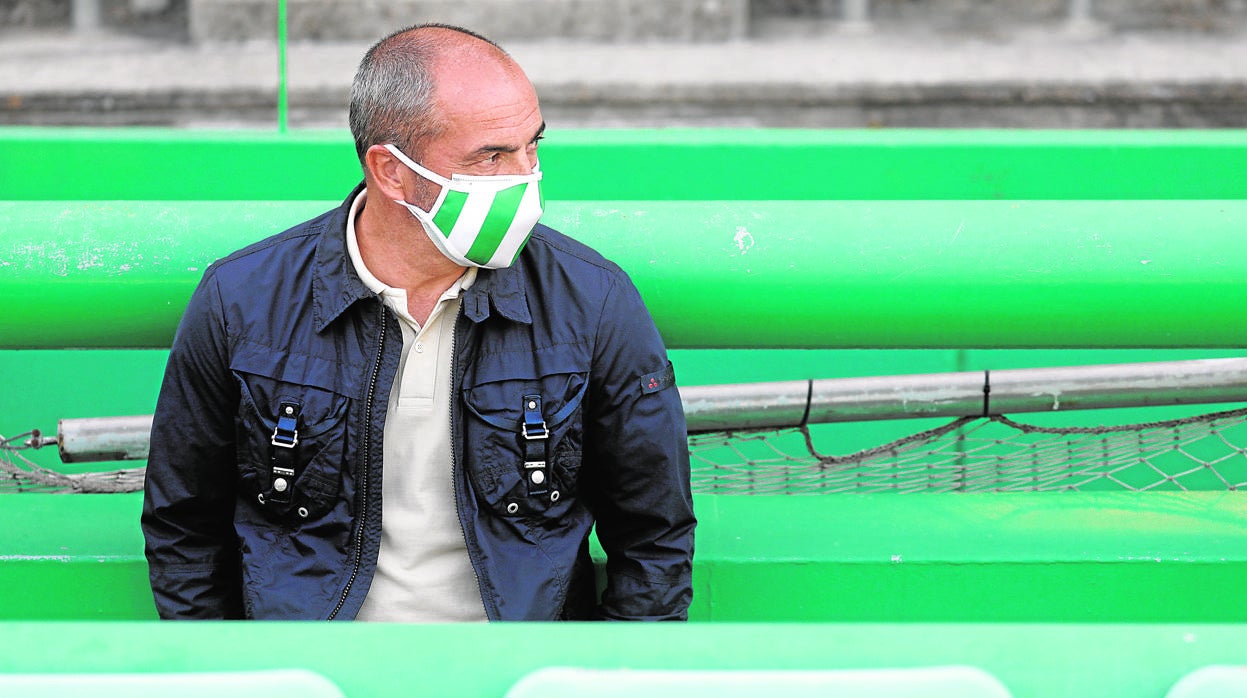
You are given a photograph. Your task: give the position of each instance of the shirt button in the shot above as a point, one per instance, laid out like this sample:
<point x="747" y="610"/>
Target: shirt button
<point x="419" y="348"/>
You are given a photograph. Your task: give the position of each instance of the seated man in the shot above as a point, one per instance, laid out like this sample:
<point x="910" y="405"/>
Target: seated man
<point x="415" y="406"/>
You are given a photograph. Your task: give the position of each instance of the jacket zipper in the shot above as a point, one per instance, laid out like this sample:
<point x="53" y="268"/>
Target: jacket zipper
<point x="367" y="465"/>
<point x="454" y="445"/>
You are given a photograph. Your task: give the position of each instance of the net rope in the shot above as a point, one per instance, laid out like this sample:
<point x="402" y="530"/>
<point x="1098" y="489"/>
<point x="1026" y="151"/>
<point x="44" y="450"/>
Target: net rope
<point x="20" y="474"/>
<point x="971" y="454"/>
<point x="983" y="454"/>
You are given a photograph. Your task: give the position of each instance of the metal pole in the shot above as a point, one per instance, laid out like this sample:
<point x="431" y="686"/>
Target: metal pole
<point x="283" y="88"/>
<point x="86" y="15"/>
<point x="855" y="15"/>
<point x="788" y="403"/>
<point x="1080" y="20"/>
<point x="103" y="438"/>
<point x="965" y="394"/>
<point x="1080" y="11"/>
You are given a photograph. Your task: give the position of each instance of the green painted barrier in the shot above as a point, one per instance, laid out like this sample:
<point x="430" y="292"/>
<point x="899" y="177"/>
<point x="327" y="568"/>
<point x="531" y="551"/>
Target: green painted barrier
<point x="900" y="274"/>
<point x="890" y="239"/>
<point x="928" y="682"/>
<point x="77" y="557"/>
<point x="670" y="164"/>
<point x="487" y="661"/>
<point x="1138" y="557"/>
<point x="278" y="683"/>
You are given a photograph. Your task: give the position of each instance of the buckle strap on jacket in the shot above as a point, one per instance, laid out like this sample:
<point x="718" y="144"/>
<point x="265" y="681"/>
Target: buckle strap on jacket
<point x="281" y="455"/>
<point x="535" y="442"/>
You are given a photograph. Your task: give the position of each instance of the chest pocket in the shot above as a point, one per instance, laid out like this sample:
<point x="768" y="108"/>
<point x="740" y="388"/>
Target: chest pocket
<point x="525" y="431"/>
<point x="292" y="433"/>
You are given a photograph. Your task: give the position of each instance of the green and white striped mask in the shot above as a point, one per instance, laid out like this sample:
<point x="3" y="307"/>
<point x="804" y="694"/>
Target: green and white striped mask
<point x="479" y="221"/>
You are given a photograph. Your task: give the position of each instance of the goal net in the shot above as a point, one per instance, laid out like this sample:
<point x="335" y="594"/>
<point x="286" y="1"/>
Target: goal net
<point x="19" y="473"/>
<point x="976" y="454"/>
<point x="779" y="438"/>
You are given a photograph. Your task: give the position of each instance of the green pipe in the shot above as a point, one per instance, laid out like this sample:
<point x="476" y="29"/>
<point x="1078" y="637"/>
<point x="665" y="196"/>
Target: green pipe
<point x="666" y="164"/>
<point x="847" y="274"/>
<point x="386" y="660"/>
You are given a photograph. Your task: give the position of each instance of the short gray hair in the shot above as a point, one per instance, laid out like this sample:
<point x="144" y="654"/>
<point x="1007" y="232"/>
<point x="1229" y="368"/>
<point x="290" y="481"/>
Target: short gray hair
<point x="392" y="94"/>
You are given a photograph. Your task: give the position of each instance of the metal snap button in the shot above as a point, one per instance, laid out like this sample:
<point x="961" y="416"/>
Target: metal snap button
<point x="512" y="508"/>
<point x="554" y="496"/>
<point x="303" y="512"/>
<point x="280" y="484"/>
<point x="538" y="477"/>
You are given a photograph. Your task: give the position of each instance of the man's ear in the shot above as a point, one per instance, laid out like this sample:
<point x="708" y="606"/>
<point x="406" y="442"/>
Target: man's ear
<point x="386" y="171"/>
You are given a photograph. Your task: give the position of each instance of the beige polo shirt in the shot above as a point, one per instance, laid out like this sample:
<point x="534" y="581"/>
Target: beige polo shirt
<point x="423" y="572"/>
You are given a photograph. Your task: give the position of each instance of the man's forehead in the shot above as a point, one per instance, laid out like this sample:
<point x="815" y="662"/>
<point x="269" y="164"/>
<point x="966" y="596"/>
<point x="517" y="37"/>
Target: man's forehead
<point x="467" y="83"/>
<point x="495" y="102"/>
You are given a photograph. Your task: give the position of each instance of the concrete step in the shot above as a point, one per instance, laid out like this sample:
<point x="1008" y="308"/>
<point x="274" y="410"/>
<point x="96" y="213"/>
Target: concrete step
<point x="706" y="20"/>
<point x="1007" y="16"/>
<point x="619" y="21"/>
<point x="1048" y="80"/>
<point x="165" y="19"/>
<point x="612" y="20"/>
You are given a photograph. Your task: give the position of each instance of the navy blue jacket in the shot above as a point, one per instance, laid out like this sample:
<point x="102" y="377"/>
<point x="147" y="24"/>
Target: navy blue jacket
<point x="283" y="344"/>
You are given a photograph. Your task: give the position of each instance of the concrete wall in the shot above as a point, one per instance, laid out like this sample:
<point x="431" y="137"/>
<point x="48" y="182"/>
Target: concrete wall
<point x="596" y="20"/>
<point x="166" y="19"/>
<point x="608" y="20"/>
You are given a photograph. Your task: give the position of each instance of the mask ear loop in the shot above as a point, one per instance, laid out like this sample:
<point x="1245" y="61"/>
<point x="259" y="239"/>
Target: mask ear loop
<point x="495" y="182"/>
<point x="427" y="174"/>
<point x="498" y="182"/>
<point x="416" y="167"/>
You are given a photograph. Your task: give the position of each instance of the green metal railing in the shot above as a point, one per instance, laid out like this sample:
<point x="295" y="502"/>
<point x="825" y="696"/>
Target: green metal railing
<point x="661" y="164"/>
<point x="856" y="239"/>
<point x="283" y="85"/>
<point x="827" y="274"/>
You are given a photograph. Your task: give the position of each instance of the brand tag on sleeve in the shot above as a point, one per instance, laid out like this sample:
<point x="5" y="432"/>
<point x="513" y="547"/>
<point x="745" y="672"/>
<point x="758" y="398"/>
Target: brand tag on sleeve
<point x="658" y="380"/>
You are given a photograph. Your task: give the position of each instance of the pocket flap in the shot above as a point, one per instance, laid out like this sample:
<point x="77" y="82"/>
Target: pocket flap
<point x="509" y="420"/>
<point x="529" y="365"/>
<point x="303" y="369"/>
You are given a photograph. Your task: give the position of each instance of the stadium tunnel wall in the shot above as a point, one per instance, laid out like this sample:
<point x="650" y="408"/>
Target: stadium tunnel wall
<point x="847" y="568"/>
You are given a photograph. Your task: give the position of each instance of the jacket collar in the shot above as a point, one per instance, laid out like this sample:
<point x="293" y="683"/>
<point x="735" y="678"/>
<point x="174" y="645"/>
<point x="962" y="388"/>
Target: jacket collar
<point x="501" y="289"/>
<point x="336" y="286"/>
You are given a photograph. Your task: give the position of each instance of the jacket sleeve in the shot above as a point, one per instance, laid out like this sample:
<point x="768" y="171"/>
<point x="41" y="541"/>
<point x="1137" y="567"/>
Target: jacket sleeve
<point x="189" y="495"/>
<point x="637" y="449"/>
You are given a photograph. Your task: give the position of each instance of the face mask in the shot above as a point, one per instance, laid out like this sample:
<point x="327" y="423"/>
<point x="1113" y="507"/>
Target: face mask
<point x="479" y="221"/>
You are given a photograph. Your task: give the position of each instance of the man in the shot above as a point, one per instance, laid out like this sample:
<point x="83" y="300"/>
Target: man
<point x="415" y="406"/>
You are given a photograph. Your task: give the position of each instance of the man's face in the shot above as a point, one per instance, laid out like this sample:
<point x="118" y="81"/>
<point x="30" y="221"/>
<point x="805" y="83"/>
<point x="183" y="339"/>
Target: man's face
<point x="492" y="124"/>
